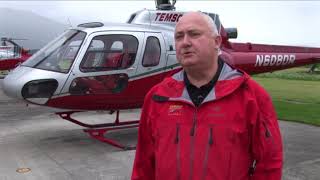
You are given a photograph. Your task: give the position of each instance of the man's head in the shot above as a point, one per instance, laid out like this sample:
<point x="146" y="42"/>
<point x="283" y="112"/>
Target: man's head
<point x="197" y="41"/>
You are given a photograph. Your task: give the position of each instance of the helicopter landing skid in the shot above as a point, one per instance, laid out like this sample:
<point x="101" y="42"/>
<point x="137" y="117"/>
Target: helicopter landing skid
<point x="97" y="131"/>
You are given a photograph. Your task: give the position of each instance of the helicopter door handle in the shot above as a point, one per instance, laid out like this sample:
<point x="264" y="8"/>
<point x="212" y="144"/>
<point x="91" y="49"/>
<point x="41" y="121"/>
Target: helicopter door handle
<point x="131" y="68"/>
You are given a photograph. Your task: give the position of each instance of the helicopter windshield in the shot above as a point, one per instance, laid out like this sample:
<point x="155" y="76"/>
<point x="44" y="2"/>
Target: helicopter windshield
<point x="59" y="54"/>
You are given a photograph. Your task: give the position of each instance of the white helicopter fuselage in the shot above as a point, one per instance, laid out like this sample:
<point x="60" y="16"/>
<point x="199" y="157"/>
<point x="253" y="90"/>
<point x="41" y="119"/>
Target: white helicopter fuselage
<point x="63" y="63"/>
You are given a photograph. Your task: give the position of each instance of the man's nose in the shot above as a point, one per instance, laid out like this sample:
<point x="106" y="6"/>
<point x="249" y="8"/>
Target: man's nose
<point x="186" y="41"/>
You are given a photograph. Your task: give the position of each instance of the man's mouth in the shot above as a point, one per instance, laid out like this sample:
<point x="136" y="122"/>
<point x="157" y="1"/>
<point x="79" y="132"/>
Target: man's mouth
<point x="188" y="53"/>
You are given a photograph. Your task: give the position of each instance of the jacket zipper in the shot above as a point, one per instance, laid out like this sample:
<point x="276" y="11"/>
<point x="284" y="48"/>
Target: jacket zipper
<point x="205" y="161"/>
<point x="176" y="141"/>
<point x="252" y="167"/>
<point x="267" y="132"/>
<point x="268" y="135"/>
<point x="192" y="134"/>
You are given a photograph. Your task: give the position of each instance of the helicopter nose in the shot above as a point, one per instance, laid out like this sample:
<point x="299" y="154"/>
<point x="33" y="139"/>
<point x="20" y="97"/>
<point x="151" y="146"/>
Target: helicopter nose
<point x="22" y="84"/>
<point x="12" y="84"/>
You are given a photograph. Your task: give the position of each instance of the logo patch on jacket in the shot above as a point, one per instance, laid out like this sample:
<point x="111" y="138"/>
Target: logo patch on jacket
<point x="216" y="112"/>
<point x="175" y="110"/>
<point x="216" y="108"/>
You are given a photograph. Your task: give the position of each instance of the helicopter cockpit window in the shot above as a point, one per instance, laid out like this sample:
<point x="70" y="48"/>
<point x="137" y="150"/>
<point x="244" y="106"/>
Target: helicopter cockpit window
<point x="117" y="45"/>
<point x="117" y="52"/>
<point x="96" y="45"/>
<point x="151" y="56"/>
<point x="103" y="84"/>
<point x="59" y="55"/>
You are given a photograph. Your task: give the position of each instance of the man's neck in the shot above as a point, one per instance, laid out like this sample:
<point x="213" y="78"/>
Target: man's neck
<point x="201" y="77"/>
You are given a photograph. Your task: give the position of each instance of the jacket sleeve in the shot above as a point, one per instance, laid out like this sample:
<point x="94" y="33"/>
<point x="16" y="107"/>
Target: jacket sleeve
<point x="144" y="163"/>
<point x="266" y="141"/>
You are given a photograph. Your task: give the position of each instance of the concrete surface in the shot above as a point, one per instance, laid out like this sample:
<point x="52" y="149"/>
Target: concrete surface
<point x="33" y="137"/>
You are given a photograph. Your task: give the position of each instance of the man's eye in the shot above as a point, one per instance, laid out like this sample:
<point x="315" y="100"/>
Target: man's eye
<point x="194" y="34"/>
<point x="177" y="37"/>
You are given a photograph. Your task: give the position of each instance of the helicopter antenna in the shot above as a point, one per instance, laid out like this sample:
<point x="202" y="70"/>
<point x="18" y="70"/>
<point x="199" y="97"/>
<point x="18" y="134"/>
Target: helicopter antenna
<point x="69" y="22"/>
<point x="165" y="4"/>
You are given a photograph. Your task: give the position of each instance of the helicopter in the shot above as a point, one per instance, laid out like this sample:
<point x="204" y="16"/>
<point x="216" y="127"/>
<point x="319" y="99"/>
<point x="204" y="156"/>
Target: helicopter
<point x="11" y="54"/>
<point x="112" y="66"/>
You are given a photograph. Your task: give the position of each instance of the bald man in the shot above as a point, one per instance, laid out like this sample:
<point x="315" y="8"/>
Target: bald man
<point x="208" y="121"/>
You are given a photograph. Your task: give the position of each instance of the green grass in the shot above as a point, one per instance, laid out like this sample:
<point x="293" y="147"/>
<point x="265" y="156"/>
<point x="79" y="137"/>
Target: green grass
<point x="294" y="100"/>
<point x="303" y="113"/>
<point x="300" y="73"/>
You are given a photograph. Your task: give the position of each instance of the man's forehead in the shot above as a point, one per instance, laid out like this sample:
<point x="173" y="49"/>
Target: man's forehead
<point x="191" y="21"/>
<point x="194" y="17"/>
<point x="191" y="26"/>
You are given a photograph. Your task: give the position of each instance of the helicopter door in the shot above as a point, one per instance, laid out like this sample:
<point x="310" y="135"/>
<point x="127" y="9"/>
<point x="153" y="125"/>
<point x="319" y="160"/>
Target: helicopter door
<point x="153" y="58"/>
<point x="107" y="64"/>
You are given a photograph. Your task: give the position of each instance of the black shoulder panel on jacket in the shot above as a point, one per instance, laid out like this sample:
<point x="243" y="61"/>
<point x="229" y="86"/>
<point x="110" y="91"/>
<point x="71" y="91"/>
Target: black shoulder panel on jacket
<point x="160" y="98"/>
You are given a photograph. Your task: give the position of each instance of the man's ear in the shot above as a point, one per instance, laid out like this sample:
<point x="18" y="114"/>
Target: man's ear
<point x="218" y="41"/>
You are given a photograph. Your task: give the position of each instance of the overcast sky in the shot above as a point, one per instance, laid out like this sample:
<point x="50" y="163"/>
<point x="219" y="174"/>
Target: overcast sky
<point x="271" y="22"/>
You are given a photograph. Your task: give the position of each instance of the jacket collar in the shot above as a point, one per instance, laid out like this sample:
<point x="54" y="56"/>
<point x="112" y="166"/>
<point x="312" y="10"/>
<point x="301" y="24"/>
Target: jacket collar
<point x="229" y="80"/>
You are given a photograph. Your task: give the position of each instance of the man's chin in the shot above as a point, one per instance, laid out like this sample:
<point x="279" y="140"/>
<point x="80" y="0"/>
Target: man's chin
<point x="187" y="64"/>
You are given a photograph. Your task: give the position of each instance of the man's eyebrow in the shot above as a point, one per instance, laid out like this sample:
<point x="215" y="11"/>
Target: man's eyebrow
<point x="178" y="33"/>
<point x="193" y="30"/>
<point x="190" y="30"/>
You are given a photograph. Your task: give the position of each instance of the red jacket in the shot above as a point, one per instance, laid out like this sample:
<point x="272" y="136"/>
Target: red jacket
<point x="232" y="135"/>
